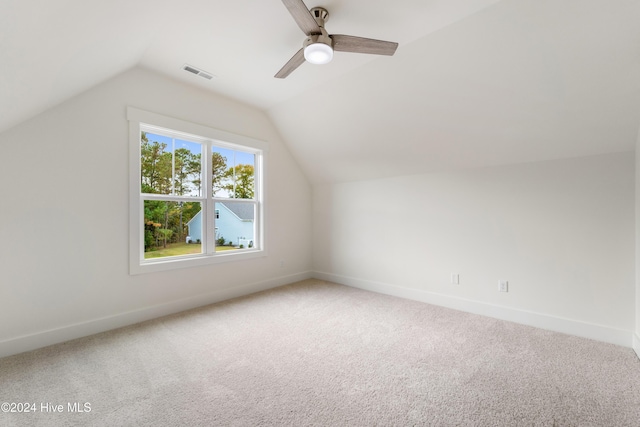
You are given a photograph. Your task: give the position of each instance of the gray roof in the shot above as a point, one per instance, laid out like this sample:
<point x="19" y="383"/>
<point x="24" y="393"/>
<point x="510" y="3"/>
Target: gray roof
<point x="243" y="211"/>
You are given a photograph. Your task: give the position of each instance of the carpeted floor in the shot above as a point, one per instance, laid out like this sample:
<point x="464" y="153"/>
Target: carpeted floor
<point x="317" y="353"/>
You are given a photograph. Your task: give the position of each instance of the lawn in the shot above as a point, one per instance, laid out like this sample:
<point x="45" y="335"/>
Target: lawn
<point x="176" y="249"/>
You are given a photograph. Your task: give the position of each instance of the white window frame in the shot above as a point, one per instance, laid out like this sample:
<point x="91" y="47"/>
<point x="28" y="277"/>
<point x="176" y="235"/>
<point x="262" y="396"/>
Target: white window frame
<point x="139" y="119"/>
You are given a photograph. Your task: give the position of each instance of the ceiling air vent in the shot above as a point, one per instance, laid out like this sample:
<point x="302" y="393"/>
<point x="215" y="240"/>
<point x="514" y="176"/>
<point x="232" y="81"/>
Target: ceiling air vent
<point x="197" y="71"/>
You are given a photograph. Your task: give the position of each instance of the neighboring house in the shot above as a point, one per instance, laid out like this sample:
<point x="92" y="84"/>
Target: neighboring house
<point x="234" y="222"/>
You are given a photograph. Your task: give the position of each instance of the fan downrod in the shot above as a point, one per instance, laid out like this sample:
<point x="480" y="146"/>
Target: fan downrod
<point x="320" y="14"/>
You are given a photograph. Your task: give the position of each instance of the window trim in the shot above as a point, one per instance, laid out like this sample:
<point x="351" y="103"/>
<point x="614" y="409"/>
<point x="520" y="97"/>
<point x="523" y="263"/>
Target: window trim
<point x="138" y="118"/>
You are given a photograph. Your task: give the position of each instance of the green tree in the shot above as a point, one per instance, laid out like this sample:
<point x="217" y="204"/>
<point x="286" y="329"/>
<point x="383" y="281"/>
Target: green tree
<point x="195" y="168"/>
<point x="240" y="182"/>
<point x="164" y="235"/>
<point x="154" y="216"/>
<point x="189" y="210"/>
<point x="218" y="172"/>
<point x="184" y="167"/>
<point x="149" y="234"/>
<point x="155" y="167"/>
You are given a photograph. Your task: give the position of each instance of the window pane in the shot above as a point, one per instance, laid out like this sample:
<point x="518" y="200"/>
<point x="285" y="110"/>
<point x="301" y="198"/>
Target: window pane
<point x="187" y="168"/>
<point x="233" y="173"/>
<point x="172" y="228"/>
<point x="170" y="165"/>
<point x="235" y="226"/>
<point x="155" y="163"/>
<point x="219" y="160"/>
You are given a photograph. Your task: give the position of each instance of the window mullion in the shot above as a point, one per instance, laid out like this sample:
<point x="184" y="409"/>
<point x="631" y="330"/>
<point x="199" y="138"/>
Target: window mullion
<point x="258" y="197"/>
<point x="173" y="166"/>
<point x="170" y="198"/>
<point x="209" y="206"/>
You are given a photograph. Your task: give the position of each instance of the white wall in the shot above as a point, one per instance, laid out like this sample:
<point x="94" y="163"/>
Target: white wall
<point x="561" y="232"/>
<point x="64" y="218"/>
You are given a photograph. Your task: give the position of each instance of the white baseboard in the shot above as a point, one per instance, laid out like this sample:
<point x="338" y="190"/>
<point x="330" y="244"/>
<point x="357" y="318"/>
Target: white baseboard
<point x="78" y="330"/>
<point x="543" y="321"/>
<point x="538" y="320"/>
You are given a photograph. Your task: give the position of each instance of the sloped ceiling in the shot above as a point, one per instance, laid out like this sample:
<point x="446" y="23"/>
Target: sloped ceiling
<point x="473" y="83"/>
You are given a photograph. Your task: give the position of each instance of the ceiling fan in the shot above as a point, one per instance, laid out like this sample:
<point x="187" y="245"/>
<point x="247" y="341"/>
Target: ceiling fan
<point x="318" y="47"/>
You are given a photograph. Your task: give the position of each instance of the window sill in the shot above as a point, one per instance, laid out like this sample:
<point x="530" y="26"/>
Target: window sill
<point x="172" y="263"/>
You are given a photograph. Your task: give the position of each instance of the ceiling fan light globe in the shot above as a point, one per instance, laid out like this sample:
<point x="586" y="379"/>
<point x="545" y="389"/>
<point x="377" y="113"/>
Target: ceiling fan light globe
<point x="318" y="53"/>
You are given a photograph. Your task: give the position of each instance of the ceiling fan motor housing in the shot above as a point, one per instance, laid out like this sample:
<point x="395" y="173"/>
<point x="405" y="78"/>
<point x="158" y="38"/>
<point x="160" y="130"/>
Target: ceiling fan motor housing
<point x="318" y="38"/>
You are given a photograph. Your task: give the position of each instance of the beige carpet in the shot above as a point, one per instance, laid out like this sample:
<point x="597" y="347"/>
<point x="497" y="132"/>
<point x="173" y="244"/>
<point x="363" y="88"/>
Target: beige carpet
<point x="321" y="354"/>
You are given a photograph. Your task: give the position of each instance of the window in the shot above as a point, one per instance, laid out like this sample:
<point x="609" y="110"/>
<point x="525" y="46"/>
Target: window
<point x="196" y="194"/>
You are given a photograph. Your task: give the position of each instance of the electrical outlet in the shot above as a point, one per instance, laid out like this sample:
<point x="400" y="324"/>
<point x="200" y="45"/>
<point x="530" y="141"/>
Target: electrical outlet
<point x="503" y="286"/>
<point x="281" y="263"/>
<point x="455" y="278"/>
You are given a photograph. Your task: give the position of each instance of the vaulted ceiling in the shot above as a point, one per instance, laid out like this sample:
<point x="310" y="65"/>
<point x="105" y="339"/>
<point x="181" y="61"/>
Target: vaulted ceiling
<point x="474" y="82"/>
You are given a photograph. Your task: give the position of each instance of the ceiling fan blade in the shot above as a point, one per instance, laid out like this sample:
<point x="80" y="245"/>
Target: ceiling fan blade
<point x="354" y="44"/>
<point x="302" y="16"/>
<point x="290" y="66"/>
